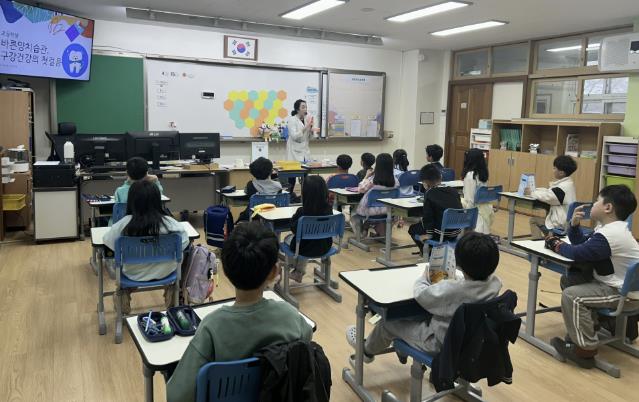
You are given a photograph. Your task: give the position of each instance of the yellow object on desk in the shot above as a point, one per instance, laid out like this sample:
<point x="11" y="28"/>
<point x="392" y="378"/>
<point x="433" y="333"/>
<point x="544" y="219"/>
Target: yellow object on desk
<point x="289" y="165"/>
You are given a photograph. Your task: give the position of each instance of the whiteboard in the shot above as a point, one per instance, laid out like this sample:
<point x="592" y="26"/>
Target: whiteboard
<point x="242" y="96"/>
<point x="355" y="104"/>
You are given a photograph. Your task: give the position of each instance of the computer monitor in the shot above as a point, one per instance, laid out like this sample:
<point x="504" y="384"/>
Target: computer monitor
<point x="153" y="145"/>
<point x="97" y="149"/>
<point x="201" y="146"/>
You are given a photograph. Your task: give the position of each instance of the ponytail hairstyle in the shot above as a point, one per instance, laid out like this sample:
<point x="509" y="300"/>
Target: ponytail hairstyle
<point x="144" y="204"/>
<point x="296" y="106"/>
<point x="400" y="160"/>
<point x="475" y="161"/>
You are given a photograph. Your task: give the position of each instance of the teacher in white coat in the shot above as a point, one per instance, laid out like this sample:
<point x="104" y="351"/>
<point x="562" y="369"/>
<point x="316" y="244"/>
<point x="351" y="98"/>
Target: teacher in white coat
<point x="300" y="130"/>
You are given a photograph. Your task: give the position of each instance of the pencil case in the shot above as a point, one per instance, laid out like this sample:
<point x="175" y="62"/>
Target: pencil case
<point x="184" y="320"/>
<point x="159" y="329"/>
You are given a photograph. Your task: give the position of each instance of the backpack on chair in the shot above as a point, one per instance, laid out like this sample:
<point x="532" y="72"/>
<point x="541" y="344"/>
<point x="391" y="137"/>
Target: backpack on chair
<point x="218" y="224"/>
<point x="199" y="274"/>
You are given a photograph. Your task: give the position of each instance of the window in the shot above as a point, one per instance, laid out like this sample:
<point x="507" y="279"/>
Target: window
<point x="472" y="64"/>
<point x="555" y="97"/>
<point x="592" y="50"/>
<point x="510" y="59"/>
<point x="554" y="54"/>
<point x="605" y="95"/>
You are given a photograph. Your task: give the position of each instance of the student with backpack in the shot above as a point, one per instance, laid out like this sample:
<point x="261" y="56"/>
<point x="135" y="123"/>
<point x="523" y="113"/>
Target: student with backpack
<point x="145" y="217"/>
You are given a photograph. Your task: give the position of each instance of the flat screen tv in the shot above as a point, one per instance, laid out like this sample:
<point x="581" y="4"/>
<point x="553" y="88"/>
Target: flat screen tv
<point x="39" y="42"/>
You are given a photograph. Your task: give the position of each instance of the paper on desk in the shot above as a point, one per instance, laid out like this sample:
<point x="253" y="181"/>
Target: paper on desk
<point x="46" y="163"/>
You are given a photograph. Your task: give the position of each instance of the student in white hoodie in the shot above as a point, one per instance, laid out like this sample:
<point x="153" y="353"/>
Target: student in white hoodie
<point x="558" y="196"/>
<point x="477" y="256"/>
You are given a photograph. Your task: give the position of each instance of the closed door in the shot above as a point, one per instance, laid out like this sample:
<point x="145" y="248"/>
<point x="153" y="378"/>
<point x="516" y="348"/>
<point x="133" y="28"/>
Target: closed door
<point x="469" y="104"/>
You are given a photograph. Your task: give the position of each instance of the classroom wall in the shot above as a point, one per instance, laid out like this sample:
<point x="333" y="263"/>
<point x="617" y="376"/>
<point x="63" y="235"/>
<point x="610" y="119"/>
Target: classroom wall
<point x="401" y="80"/>
<point x="631" y="122"/>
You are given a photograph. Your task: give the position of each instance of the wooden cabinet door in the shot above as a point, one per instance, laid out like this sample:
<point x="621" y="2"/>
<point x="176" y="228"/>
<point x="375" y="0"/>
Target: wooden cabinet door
<point x="523" y="162"/>
<point x="544" y="171"/>
<point x="499" y="170"/>
<point x="14" y="118"/>
<point x="584" y="179"/>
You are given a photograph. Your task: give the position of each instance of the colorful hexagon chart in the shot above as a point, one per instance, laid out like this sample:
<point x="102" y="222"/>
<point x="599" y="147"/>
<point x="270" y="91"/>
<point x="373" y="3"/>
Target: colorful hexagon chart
<point x="251" y="108"/>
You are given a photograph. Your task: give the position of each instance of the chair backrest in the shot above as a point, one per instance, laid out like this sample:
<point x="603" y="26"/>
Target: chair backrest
<point x="148" y="249"/>
<point x="320" y="227"/>
<point x="119" y="211"/>
<point x="488" y="194"/>
<point x="342" y="181"/>
<point x="631" y="281"/>
<point x="448" y="174"/>
<point x="279" y="200"/>
<point x="375" y="194"/>
<point x="456" y="219"/>
<point x="574" y="205"/>
<point x="233" y="381"/>
<point x="409" y="178"/>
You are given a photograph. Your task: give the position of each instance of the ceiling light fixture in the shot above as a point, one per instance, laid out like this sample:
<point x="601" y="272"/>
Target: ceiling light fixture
<point x="426" y="11"/>
<point x="311" y="9"/>
<point x="468" y="28"/>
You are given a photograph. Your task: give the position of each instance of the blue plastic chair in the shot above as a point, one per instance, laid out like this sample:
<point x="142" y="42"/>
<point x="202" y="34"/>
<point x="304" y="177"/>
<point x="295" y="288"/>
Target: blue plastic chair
<point x="314" y="228"/>
<point x="373" y="201"/>
<point x="448" y="174"/>
<point x="342" y="181"/>
<point x="234" y="381"/>
<point x="145" y="250"/>
<point x="571" y="211"/>
<point x="119" y="211"/>
<point x="454" y="220"/>
<point x="409" y="179"/>
<point x="279" y="200"/>
<point x="488" y="194"/>
<point x="618" y="341"/>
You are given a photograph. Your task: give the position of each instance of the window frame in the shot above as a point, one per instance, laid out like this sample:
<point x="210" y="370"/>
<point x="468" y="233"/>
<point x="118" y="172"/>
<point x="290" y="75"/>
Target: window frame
<point x="511" y="74"/>
<point x="475" y="50"/>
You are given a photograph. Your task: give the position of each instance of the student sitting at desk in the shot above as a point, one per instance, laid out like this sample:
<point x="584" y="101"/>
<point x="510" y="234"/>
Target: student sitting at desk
<point x="344" y="163"/>
<point x="433" y="154"/>
<point x="380" y="179"/>
<point x="261" y="169"/>
<point x="249" y="258"/>
<point x="314" y="203"/>
<point x="475" y="175"/>
<point x="436" y="200"/>
<point x="400" y="166"/>
<point x="477" y="256"/>
<point x="602" y="260"/>
<point x="367" y="161"/>
<point x="559" y="195"/>
<point x="145" y="217"/>
<point x="137" y="169"/>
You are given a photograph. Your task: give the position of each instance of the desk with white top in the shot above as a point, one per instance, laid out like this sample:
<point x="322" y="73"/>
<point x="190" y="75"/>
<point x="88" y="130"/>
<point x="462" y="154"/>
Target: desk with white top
<point x="404" y="207"/>
<point x="159" y="356"/>
<point x="388" y="292"/>
<point x="237" y="198"/>
<point x="97" y="243"/>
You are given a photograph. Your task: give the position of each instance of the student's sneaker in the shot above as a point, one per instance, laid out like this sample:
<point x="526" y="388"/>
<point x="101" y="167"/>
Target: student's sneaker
<point x="568" y="350"/>
<point x="351" y="338"/>
<point x="296" y="275"/>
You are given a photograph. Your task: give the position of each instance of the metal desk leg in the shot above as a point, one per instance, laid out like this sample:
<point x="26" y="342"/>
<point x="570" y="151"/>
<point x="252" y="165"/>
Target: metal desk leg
<point x="148" y="383"/>
<point x="528" y="334"/>
<point x="101" y="319"/>
<point x="511" y="220"/>
<point x="356" y="381"/>
<point x="388" y="246"/>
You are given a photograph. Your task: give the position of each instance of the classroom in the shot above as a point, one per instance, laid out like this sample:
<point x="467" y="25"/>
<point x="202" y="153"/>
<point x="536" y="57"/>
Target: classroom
<point x="314" y="200"/>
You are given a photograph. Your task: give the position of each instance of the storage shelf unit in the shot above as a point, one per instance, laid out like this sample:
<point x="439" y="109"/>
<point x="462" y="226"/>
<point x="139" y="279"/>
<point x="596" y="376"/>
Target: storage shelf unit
<point x="619" y="161"/>
<point x="481" y="138"/>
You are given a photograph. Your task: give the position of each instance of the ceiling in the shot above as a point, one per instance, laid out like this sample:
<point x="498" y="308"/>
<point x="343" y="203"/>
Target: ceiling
<point x="527" y="18"/>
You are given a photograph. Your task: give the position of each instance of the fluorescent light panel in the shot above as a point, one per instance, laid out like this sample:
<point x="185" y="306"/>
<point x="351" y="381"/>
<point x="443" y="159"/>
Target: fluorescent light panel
<point x="591" y="46"/>
<point x="312" y="9"/>
<point x="426" y="11"/>
<point x="468" y="28"/>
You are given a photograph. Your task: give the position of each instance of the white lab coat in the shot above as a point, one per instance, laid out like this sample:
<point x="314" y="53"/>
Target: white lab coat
<point x="299" y="135"/>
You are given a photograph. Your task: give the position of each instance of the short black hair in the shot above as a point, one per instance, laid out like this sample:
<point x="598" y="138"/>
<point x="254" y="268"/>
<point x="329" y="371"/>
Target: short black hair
<point x="137" y="168"/>
<point x="565" y="164"/>
<point x="344" y="161"/>
<point x="430" y="173"/>
<point x="249" y="255"/>
<point x="622" y="199"/>
<point x="368" y="159"/>
<point x="477" y="255"/>
<point x="261" y="168"/>
<point x="435" y="152"/>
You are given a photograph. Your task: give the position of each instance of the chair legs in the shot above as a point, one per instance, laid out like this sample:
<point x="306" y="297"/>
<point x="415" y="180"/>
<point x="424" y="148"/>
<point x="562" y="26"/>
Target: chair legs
<point x="118" y="316"/>
<point x="322" y="279"/>
<point x="618" y="341"/>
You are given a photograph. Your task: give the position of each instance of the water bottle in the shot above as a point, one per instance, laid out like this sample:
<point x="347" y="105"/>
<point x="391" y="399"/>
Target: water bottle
<point x="69" y="152"/>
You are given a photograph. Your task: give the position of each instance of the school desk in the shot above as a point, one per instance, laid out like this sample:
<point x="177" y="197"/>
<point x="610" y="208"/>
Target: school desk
<point x="96" y="206"/>
<point x="400" y="207"/>
<point x="237" y="198"/>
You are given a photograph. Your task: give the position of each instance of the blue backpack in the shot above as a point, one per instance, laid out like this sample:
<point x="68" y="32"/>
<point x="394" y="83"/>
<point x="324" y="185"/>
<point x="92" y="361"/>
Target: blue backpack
<point x="218" y="224"/>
